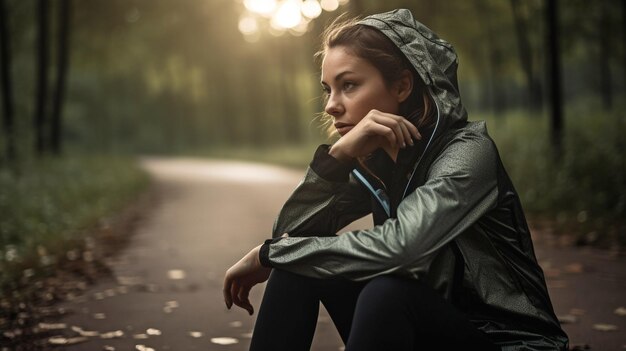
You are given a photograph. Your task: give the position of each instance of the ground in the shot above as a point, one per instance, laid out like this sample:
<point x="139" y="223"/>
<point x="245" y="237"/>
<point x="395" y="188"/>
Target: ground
<point x="161" y="287"/>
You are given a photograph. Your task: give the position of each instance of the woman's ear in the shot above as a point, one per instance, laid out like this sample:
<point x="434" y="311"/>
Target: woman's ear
<point x="404" y="85"/>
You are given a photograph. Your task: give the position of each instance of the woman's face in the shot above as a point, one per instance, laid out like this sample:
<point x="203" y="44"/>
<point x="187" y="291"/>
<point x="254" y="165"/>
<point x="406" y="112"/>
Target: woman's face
<point x="354" y="87"/>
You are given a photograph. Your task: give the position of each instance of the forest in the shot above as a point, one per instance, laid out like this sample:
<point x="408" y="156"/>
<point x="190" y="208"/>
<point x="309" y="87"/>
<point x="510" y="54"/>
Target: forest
<point x="92" y="82"/>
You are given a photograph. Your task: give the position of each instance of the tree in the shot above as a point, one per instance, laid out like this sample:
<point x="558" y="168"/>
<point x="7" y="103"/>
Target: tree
<point x="554" y="77"/>
<point x="7" y="92"/>
<point x="605" y="56"/>
<point x="525" y="52"/>
<point x="495" y="56"/>
<point x="62" y="66"/>
<point x="42" y="76"/>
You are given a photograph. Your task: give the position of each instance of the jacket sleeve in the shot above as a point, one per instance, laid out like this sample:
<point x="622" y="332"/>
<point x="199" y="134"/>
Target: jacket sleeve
<point x="461" y="187"/>
<point x="327" y="199"/>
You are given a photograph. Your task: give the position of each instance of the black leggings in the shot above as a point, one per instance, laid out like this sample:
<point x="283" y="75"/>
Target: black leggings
<point x="385" y="313"/>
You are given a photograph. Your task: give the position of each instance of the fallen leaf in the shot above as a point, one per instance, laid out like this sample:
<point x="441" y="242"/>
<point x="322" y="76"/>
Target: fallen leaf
<point x="176" y="274"/>
<point x="29" y="272"/>
<point x="567" y="319"/>
<point x="143" y="348"/>
<point x="605" y="327"/>
<point x="577" y="311"/>
<point x="99" y="316"/>
<point x="112" y="334"/>
<point x="108" y="348"/>
<point x="170" y="306"/>
<point x="246" y="335"/>
<point x="59" y="340"/>
<point x="224" y="341"/>
<point x="620" y="311"/>
<point x="235" y="324"/>
<point x="153" y="331"/>
<point x="196" y="334"/>
<point x="52" y="326"/>
<point x="140" y="336"/>
<point x="98" y="296"/>
<point x="10" y="334"/>
<point x="82" y="332"/>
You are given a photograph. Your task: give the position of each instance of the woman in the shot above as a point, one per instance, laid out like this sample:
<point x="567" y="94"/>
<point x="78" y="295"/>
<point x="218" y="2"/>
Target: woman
<point x="449" y="263"/>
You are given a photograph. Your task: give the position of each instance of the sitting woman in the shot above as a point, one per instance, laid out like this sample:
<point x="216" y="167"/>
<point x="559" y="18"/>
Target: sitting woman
<point x="449" y="263"/>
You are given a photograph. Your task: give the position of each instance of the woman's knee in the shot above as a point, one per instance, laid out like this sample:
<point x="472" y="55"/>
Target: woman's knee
<point x="386" y="292"/>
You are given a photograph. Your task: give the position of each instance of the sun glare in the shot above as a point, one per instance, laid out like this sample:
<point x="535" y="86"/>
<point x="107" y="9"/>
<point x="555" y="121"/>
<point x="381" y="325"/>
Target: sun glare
<point x="330" y="5"/>
<point x="292" y="16"/>
<point x="288" y="15"/>
<point x="262" y="7"/>
<point x="311" y="8"/>
<point x="248" y="25"/>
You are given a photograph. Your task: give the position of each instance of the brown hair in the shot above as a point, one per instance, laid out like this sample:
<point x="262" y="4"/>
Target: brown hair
<point x="372" y="45"/>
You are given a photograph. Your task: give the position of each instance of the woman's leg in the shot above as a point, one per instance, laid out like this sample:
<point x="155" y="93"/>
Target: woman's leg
<point x="393" y="313"/>
<point x="288" y="313"/>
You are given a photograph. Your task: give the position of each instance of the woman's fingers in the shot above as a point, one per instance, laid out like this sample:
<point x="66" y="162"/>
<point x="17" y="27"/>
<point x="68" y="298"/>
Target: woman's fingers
<point x="384" y="131"/>
<point x="396" y="124"/>
<point x="234" y="293"/>
<point x="239" y="294"/>
<point x="412" y="129"/>
<point x="243" y="298"/>
<point x="226" y="290"/>
<point x="405" y="133"/>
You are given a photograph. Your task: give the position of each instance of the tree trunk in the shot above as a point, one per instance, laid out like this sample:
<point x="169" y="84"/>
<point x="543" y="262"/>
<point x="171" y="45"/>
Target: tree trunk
<point x="42" y="76"/>
<point x="605" y="54"/>
<point x="494" y="57"/>
<point x="624" y="42"/>
<point x="554" y="78"/>
<point x="8" y="121"/>
<point x="290" y="96"/>
<point x="526" y="57"/>
<point x="62" y="65"/>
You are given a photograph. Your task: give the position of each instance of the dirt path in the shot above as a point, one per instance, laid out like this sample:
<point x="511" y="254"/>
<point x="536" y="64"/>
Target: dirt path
<point x="165" y="292"/>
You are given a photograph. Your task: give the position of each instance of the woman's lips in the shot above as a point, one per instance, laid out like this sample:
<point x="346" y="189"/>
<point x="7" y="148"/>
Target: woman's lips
<point x="342" y="129"/>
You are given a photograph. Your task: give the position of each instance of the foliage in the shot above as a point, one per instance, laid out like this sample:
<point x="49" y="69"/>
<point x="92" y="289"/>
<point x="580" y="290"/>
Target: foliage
<point x="586" y="190"/>
<point x="176" y="77"/>
<point x="46" y="204"/>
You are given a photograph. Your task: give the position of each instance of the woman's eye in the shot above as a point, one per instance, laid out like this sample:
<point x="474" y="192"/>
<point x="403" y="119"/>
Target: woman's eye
<point x="347" y="86"/>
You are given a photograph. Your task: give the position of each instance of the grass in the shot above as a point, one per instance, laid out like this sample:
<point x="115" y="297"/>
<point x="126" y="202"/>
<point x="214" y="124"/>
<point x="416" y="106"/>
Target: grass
<point x="48" y="204"/>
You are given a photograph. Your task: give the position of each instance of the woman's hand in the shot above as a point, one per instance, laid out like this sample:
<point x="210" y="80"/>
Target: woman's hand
<point x="377" y="129"/>
<point x="241" y="277"/>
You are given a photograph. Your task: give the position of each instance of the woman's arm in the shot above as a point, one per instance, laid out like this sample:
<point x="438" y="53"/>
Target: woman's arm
<point x="461" y="187"/>
<point x="326" y="200"/>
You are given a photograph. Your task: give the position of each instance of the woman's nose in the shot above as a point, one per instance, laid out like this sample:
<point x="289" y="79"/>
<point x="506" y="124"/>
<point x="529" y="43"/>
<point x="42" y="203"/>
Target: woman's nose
<point x="333" y="106"/>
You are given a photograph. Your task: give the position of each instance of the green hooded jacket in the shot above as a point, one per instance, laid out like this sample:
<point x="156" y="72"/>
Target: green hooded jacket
<point x="448" y="213"/>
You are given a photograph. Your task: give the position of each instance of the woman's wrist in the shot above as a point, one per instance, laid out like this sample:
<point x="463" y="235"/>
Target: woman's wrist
<point x="336" y="152"/>
<point x="256" y="253"/>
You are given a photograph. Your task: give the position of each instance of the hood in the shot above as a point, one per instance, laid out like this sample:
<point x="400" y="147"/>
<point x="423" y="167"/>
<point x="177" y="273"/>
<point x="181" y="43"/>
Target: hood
<point x="433" y="58"/>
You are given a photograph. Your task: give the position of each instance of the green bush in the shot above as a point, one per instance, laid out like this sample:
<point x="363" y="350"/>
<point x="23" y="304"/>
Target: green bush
<point x="583" y="190"/>
<point x="47" y="203"/>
